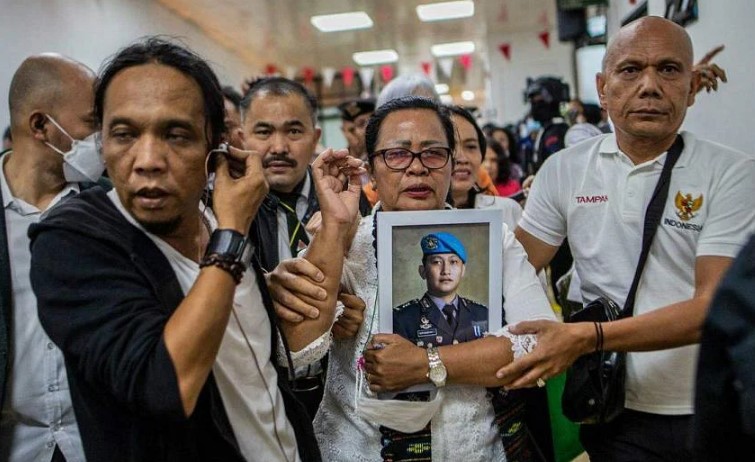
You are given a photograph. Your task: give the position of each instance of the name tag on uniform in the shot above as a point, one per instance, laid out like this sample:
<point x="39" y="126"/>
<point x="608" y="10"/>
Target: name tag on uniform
<point x="427" y="332"/>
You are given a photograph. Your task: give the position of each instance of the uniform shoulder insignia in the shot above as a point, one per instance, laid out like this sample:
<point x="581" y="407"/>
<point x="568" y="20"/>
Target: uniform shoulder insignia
<point x="405" y="305"/>
<point x="469" y="301"/>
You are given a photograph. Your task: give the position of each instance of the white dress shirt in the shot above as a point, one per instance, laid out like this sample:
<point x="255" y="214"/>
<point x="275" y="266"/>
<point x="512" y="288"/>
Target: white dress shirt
<point x="246" y="378"/>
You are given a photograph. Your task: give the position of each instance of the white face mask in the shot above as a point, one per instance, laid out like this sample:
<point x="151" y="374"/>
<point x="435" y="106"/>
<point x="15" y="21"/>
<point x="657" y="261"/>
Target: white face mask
<point x="83" y="161"/>
<point x="403" y="416"/>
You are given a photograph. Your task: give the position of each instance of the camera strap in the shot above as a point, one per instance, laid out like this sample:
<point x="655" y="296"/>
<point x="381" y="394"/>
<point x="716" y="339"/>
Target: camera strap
<point x="652" y="219"/>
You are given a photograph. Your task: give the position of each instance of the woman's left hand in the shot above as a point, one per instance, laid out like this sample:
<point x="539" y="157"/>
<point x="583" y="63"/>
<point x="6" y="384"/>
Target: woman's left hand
<point x="337" y="178"/>
<point x="394" y="363"/>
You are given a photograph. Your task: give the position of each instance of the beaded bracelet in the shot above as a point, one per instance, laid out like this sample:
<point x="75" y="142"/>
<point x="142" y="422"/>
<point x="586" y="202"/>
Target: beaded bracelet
<point x="226" y="263"/>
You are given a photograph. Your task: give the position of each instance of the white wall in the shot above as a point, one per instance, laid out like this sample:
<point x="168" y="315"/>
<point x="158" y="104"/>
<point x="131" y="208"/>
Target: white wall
<point x="589" y="62"/>
<point x="728" y="115"/>
<point x="529" y="58"/>
<point x="92" y="30"/>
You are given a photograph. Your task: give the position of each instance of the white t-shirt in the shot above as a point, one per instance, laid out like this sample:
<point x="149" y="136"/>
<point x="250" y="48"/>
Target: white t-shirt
<point x="593" y="194"/>
<point x="246" y="378"/>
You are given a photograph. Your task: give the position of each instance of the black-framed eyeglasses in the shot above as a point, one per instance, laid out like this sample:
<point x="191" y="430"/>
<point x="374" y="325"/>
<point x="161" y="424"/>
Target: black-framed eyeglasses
<point x="400" y="158"/>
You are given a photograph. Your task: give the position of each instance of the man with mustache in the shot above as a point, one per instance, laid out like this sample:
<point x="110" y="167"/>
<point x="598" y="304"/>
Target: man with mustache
<point x="169" y="336"/>
<point x="280" y="122"/>
<point x="596" y="194"/>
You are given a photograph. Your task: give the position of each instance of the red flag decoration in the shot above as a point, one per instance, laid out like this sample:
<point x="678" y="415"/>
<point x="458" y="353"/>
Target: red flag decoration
<point x="545" y="37"/>
<point x="308" y="73"/>
<point x="270" y="69"/>
<point x="465" y="61"/>
<point x="426" y="67"/>
<point x="386" y="73"/>
<point x="347" y="74"/>
<point x="505" y="50"/>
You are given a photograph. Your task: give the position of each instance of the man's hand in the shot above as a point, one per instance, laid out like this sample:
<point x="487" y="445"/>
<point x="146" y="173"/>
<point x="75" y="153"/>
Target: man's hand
<point x="351" y="320"/>
<point x="292" y="284"/>
<point x="339" y="201"/>
<point x="558" y="346"/>
<point x="709" y="72"/>
<point x="394" y="363"/>
<point x="238" y="194"/>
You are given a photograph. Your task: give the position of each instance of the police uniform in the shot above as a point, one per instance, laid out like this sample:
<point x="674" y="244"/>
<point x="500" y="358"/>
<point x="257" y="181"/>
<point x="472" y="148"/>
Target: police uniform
<point x="423" y="322"/>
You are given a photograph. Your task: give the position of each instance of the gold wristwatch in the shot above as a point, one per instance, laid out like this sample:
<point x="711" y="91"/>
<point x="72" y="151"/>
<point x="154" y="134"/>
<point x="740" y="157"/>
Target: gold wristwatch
<point x="437" y="373"/>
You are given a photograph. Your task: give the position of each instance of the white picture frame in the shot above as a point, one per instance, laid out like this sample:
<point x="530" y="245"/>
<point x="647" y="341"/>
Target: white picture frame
<point x="398" y="237"/>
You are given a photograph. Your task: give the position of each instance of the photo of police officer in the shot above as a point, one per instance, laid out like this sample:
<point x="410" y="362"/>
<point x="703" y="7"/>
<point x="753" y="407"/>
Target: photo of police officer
<point x="441" y="316"/>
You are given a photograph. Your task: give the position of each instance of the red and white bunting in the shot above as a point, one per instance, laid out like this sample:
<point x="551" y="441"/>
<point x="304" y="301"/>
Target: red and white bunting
<point x="505" y="50"/>
<point x="545" y="37"/>
<point x="446" y="65"/>
<point x="328" y="74"/>
<point x="347" y="75"/>
<point x="366" y="74"/>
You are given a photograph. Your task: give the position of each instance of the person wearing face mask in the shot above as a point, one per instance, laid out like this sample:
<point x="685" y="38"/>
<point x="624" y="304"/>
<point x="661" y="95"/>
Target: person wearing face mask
<point x="54" y="156"/>
<point x="82" y="163"/>
<point x="545" y="95"/>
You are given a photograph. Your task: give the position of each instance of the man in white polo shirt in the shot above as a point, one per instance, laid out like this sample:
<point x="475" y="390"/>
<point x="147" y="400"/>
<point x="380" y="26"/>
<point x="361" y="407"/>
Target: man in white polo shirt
<point x="596" y="193"/>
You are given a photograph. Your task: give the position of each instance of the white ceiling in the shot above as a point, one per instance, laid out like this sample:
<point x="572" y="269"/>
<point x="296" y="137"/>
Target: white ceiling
<point x="279" y="32"/>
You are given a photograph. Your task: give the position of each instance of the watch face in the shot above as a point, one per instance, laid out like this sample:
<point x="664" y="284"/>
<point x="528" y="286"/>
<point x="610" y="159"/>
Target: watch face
<point x="438" y="375"/>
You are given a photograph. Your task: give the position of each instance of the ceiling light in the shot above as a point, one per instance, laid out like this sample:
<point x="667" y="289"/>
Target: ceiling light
<point x="445" y="10"/>
<point x="342" y="21"/>
<point x="452" y="49"/>
<point x="369" y="58"/>
<point x="467" y="95"/>
<point x="446" y="99"/>
<point x="441" y="88"/>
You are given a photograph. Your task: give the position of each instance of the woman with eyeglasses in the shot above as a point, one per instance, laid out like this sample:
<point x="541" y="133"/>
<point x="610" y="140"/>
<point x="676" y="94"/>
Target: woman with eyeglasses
<point x="410" y="142"/>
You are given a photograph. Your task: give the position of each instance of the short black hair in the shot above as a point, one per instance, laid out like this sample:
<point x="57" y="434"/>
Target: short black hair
<point x="503" y="161"/>
<point x="160" y="50"/>
<point x="232" y="95"/>
<point x="7" y="135"/>
<point x="407" y="102"/>
<point x="592" y="113"/>
<point x="461" y="112"/>
<point x="279" y="86"/>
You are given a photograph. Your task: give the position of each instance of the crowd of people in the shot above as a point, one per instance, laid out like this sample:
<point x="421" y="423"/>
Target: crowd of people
<point x="186" y="276"/>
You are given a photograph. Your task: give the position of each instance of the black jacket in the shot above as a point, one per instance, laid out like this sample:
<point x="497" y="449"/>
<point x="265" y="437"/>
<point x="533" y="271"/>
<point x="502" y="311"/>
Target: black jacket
<point x="725" y="390"/>
<point x="6" y="292"/>
<point x="264" y="229"/>
<point x="105" y="293"/>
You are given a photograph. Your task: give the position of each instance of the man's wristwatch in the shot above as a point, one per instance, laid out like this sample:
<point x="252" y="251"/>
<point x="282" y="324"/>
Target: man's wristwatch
<point x="229" y="250"/>
<point x="437" y="373"/>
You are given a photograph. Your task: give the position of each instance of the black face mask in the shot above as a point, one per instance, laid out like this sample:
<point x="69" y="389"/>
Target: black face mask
<point x="542" y="112"/>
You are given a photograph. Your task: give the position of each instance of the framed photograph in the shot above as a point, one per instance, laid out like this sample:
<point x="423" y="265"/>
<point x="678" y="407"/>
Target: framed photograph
<point x="439" y="274"/>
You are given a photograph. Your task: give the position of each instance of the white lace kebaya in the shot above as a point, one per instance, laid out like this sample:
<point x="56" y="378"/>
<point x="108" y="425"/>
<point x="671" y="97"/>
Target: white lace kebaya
<point x="463" y="424"/>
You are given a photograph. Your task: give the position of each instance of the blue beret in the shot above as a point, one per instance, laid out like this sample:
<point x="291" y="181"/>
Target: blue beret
<point x="443" y="243"/>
